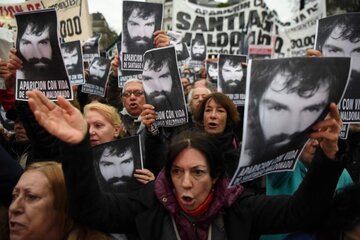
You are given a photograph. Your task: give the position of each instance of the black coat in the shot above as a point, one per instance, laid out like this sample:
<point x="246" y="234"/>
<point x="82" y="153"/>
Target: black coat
<point x="141" y="212"/>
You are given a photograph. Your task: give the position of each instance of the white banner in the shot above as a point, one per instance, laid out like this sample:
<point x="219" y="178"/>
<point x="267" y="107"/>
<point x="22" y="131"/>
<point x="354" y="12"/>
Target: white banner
<point x="73" y="16"/>
<point x="231" y="29"/>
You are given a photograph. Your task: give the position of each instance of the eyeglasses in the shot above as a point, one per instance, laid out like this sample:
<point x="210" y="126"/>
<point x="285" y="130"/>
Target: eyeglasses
<point x="137" y="93"/>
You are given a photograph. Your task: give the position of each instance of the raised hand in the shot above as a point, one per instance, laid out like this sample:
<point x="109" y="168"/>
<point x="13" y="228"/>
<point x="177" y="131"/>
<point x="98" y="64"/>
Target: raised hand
<point x="115" y="65"/>
<point x="161" y="39"/>
<point x="327" y="132"/>
<point x="64" y="121"/>
<point x="148" y="115"/>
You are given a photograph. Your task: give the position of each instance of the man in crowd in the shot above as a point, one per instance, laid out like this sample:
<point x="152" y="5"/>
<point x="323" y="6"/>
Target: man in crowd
<point x="91" y="45"/>
<point x="339" y="36"/>
<point x="161" y="81"/>
<point x="140" y="22"/>
<point x="286" y="98"/>
<point x="98" y="69"/>
<point x="198" y="49"/>
<point x="19" y="145"/>
<point x="133" y="99"/>
<point x="232" y="76"/>
<point x="116" y="166"/>
<point x="37" y="45"/>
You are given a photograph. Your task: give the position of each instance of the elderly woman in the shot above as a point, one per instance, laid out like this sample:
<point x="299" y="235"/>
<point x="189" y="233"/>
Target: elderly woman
<point x="105" y="126"/>
<point x="104" y="123"/>
<point x="39" y="207"/>
<point x="190" y="199"/>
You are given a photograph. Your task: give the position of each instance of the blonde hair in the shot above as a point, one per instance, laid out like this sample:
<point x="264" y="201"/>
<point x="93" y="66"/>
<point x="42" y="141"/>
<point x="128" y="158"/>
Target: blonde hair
<point x="109" y="112"/>
<point x="54" y="174"/>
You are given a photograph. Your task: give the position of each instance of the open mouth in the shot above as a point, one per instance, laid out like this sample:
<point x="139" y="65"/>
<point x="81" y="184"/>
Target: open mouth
<point x="212" y="125"/>
<point x="133" y="105"/>
<point x="187" y="201"/>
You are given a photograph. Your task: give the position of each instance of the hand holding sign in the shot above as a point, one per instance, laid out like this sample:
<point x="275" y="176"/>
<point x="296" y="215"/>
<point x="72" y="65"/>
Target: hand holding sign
<point x="327" y="132"/>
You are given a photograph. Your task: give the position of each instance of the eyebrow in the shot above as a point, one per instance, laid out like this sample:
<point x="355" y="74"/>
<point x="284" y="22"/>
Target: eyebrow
<point x="133" y="22"/>
<point x="269" y="101"/>
<point x="130" y="158"/>
<point x="47" y="39"/>
<point x="356" y="49"/>
<point x="147" y="77"/>
<point x="164" y="75"/>
<point x="24" y="38"/>
<point x="24" y="41"/>
<point x="318" y="105"/>
<point x="332" y="46"/>
<point x="105" y="161"/>
<point x="197" y="166"/>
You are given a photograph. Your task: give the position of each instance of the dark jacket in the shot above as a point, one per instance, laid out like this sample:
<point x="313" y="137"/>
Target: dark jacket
<point x="130" y="123"/>
<point x="45" y="147"/>
<point x="10" y="172"/>
<point x="141" y="212"/>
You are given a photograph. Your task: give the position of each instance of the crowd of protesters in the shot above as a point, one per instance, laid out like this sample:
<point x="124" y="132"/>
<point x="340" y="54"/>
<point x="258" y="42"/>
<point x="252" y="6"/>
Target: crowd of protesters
<point x="48" y="185"/>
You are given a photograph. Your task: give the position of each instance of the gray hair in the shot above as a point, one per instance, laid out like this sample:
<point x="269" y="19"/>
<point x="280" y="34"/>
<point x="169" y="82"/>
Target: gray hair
<point x="133" y="80"/>
<point x="190" y="96"/>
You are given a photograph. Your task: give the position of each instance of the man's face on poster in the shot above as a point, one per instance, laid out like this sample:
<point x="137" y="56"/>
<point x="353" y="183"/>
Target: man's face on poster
<point x="212" y="72"/>
<point x="140" y="30"/>
<point x="336" y="46"/>
<point x="90" y="43"/>
<point x="97" y="71"/>
<point x="158" y="83"/>
<point x="71" y="59"/>
<point x="198" y="51"/>
<point x="179" y="48"/>
<point x="117" y="170"/>
<point x="181" y="51"/>
<point x="36" y="48"/>
<point x="283" y="115"/>
<point x="231" y="75"/>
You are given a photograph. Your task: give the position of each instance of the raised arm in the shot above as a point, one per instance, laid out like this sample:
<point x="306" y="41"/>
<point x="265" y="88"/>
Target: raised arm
<point x="88" y="205"/>
<point x="62" y="120"/>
